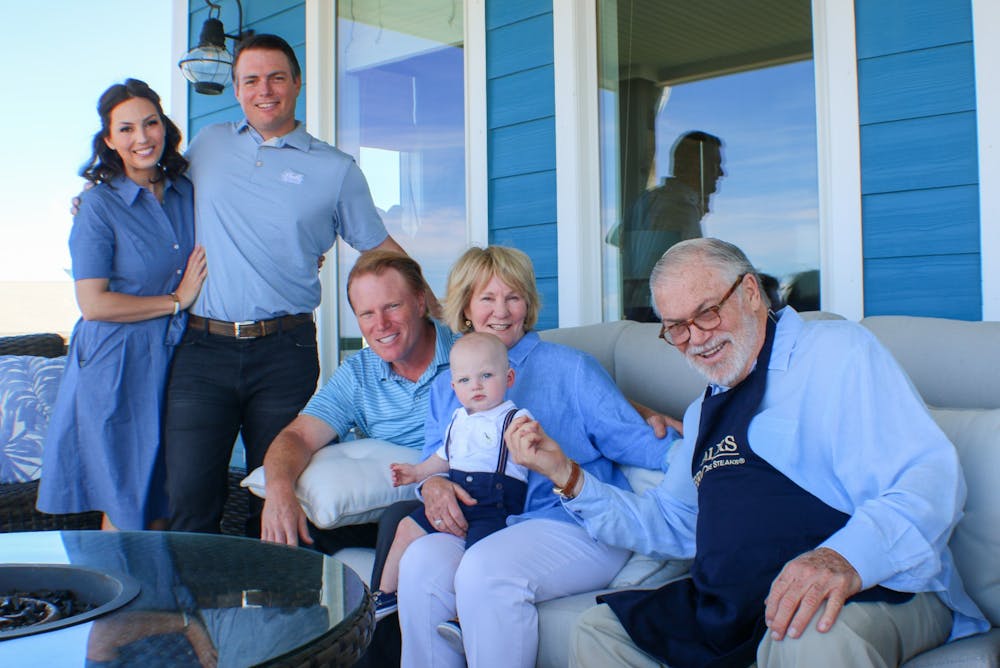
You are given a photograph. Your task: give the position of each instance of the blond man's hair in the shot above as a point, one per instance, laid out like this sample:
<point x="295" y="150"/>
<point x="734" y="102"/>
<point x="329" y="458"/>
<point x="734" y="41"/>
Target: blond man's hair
<point x="377" y="262"/>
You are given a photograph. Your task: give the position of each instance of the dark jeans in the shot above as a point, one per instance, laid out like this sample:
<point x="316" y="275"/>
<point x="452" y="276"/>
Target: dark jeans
<point x="385" y="647"/>
<point x="220" y="386"/>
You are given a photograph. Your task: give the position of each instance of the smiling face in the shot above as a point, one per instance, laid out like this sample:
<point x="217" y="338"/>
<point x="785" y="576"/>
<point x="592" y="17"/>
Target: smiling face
<point x="266" y="90"/>
<point x="724" y="355"/>
<point x="480" y="374"/>
<point x="391" y="317"/>
<point x="136" y="134"/>
<point x="497" y="309"/>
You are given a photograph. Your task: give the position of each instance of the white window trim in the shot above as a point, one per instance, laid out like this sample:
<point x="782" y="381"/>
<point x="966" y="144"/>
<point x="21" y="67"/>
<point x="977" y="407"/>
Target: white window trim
<point x="838" y="147"/>
<point x="985" y="27"/>
<point x="578" y="159"/>
<point x="477" y="183"/>
<point x="321" y="122"/>
<point x="178" y="84"/>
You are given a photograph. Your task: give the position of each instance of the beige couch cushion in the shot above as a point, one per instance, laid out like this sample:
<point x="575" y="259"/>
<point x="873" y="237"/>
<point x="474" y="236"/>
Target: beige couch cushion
<point x="976" y="541"/>
<point x="951" y="362"/>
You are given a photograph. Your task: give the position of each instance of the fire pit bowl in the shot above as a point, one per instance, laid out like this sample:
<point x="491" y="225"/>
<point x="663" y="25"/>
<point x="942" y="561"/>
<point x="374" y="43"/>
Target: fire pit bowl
<point x="95" y="592"/>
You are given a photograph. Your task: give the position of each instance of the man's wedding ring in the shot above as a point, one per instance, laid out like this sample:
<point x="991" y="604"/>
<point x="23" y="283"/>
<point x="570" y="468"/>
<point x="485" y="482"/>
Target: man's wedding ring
<point x="438" y="522"/>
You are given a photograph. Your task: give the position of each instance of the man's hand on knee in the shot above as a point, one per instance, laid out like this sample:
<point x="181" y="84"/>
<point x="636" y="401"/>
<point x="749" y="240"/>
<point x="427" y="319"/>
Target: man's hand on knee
<point x="284" y="523"/>
<point x="801" y="588"/>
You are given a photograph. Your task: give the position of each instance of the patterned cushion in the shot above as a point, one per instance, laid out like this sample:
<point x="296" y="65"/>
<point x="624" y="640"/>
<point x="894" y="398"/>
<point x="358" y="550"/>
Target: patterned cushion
<point x="28" y="388"/>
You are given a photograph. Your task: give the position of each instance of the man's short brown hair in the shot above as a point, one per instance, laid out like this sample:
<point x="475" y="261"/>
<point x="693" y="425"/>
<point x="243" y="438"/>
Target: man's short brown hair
<point x="377" y="262"/>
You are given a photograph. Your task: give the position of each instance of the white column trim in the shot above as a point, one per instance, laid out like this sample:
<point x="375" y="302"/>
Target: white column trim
<point x="178" y="112"/>
<point x="320" y="79"/>
<point x="477" y="184"/>
<point x="578" y="161"/>
<point x="985" y="28"/>
<point x="320" y="75"/>
<point x="839" y="156"/>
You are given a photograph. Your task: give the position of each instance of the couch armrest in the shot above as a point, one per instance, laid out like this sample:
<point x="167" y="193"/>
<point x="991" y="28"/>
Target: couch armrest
<point x="979" y="651"/>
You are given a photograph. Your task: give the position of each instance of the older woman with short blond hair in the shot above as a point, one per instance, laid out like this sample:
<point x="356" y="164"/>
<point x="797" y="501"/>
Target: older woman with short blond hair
<point x="543" y="553"/>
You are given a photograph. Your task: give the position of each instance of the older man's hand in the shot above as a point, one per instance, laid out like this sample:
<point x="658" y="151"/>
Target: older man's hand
<point x="801" y="588"/>
<point x="441" y="497"/>
<point x="532" y="447"/>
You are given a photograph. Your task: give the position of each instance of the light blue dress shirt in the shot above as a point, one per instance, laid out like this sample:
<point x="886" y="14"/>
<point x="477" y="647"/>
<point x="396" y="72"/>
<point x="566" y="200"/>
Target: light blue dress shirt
<point x="840" y="419"/>
<point x="366" y="393"/>
<point x="578" y="404"/>
<point x="265" y="211"/>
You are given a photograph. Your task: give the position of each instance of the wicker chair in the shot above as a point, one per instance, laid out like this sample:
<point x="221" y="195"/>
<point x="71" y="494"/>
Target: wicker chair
<point x="17" y="500"/>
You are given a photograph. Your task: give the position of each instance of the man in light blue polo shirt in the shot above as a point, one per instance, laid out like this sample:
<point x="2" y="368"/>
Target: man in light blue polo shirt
<point x="381" y="391"/>
<point x="269" y="201"/>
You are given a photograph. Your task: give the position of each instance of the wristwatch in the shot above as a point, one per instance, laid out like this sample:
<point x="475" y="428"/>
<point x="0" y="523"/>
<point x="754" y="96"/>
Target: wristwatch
<point x="565" y="492"/>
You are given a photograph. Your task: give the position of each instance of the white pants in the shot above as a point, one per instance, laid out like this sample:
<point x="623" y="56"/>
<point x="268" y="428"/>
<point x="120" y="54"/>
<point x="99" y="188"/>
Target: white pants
<point x="493" y="588"/>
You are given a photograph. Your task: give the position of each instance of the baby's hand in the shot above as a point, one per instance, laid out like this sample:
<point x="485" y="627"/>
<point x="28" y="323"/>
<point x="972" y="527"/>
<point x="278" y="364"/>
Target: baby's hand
<point x="402" y="474"/>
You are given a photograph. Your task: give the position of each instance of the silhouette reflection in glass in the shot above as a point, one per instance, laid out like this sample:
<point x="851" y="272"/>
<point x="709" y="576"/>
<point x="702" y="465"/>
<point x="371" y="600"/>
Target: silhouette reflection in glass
<point x="189" y="611"/>
<point x="665" y="215"/>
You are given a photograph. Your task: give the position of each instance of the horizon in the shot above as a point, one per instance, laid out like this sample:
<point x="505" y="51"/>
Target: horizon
<point x="51" y="134"/>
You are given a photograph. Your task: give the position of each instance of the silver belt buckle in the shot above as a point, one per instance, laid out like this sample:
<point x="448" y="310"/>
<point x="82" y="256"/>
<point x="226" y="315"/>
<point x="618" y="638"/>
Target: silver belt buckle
<point x="238" y="332"/>
<point x="252" y="598"/>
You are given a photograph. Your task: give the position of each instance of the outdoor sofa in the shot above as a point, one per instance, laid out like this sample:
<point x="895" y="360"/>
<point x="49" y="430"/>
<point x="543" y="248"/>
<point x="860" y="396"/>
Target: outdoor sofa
<point x="955" y="365"/>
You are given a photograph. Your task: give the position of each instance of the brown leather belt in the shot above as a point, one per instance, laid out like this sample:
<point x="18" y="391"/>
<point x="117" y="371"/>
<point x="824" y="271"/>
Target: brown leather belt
<point x="258" y="598"/>
<point x="251" y="329"/>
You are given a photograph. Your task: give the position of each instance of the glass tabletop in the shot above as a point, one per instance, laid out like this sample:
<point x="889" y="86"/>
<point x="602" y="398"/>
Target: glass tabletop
<point x="203" y="600"/>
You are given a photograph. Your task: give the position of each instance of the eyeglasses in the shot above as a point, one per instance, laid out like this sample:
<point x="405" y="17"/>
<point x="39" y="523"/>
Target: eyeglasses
<point x="706" y="321"/>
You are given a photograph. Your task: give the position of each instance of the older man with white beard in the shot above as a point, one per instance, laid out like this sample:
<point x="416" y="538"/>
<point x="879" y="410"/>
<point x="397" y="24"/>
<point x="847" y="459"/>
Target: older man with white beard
<point x="811" y="484"/>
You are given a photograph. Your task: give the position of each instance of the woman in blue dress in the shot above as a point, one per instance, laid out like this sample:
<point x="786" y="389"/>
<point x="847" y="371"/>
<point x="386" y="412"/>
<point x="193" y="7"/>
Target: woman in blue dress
<point x="136" y="270"/>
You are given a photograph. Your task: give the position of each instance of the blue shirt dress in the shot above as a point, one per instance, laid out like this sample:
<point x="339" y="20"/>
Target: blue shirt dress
<point x="102" y="450"/>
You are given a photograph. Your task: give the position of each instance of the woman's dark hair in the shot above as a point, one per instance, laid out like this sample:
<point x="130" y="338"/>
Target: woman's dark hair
<point x="104" y="163"/>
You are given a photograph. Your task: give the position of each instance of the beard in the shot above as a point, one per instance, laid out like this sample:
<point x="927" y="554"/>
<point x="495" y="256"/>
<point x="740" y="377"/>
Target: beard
<point x="739" y="353"/>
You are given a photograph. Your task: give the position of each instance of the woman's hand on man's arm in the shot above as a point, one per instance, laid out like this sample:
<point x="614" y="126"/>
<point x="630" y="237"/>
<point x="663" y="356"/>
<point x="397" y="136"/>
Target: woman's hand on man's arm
<point x="660" y="423"/>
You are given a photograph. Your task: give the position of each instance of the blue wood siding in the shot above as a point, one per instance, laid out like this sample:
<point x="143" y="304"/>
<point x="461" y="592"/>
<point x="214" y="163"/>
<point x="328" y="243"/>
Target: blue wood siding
<point x="523" y="200"/>
<point x="286" y="18"/>
<point x="939" y="286"/>
<point x="520" y="102"/>
<point x="919" y="162"/>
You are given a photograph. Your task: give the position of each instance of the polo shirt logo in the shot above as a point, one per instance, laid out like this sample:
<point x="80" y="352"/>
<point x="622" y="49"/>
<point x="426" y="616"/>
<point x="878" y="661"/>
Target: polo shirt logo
<point x="289" y="176"/>
<point x="724" y="453"/>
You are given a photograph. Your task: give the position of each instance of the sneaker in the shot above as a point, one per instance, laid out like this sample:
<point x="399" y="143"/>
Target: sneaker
<point x="451" y="631"/>
<point x="385" y="603"/>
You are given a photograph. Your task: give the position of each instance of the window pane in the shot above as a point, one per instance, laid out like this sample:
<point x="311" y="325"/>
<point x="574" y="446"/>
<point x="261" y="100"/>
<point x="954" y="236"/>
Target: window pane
<point x="708" y="128"/>
<point x="400" y="113"/>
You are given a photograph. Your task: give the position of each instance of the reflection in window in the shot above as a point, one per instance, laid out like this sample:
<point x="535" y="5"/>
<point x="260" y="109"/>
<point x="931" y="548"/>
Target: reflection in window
<point x="708" y="128"/>
<point x="400" y="113"/>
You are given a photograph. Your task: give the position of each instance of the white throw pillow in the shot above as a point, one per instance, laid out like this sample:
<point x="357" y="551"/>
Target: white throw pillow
<point x="347" y="483"/>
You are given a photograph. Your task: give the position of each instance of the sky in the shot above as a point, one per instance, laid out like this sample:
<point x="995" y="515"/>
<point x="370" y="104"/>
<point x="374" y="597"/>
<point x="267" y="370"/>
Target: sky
<point x="79" y="49"/>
